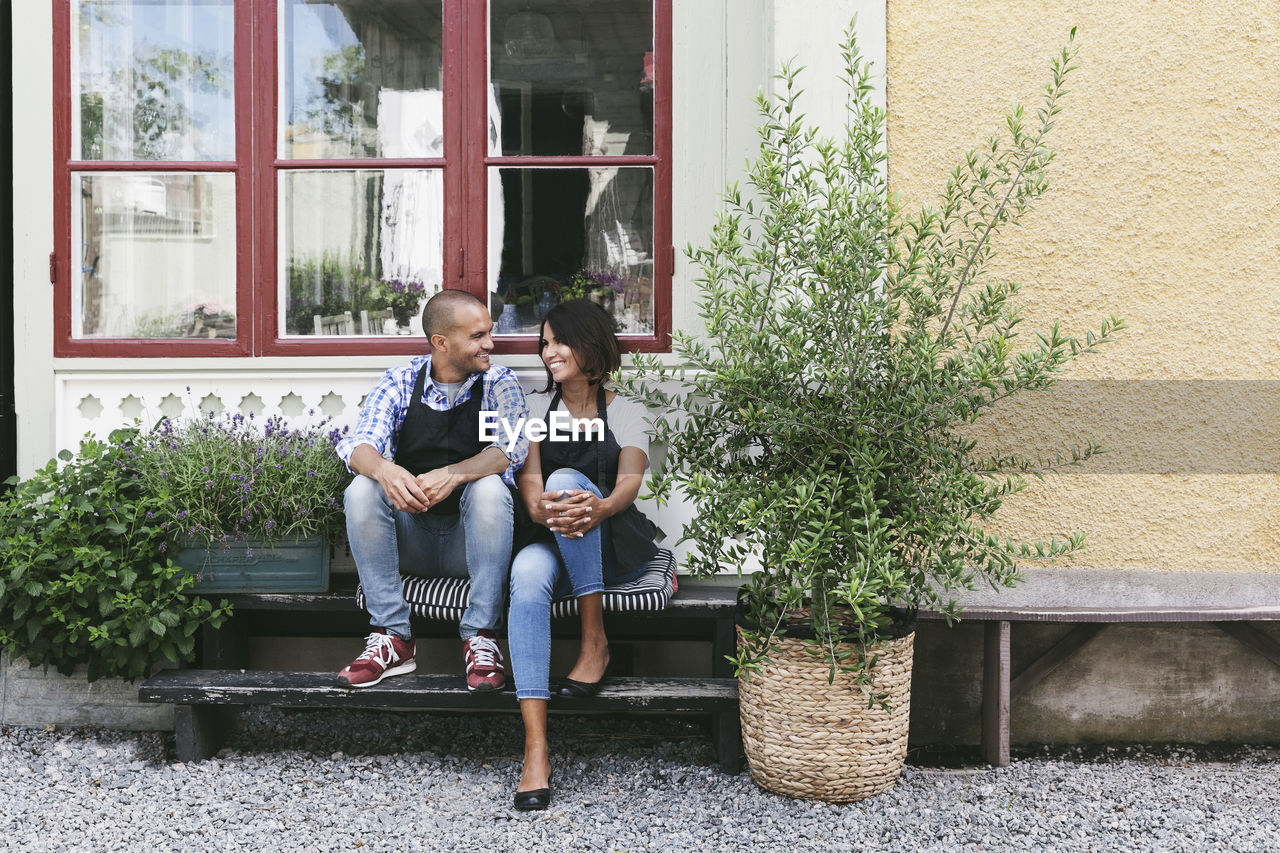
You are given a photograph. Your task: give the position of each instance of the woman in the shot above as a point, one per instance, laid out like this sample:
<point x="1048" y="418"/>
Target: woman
<point x="580" y="495"/>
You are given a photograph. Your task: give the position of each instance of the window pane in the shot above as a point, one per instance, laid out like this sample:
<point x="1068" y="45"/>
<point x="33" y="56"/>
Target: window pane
<point x="157" y="255"/>
<point x="361" y="78"/>
<point x="152" y="80"/>
<point x="571" y="77"/>
<point x="361" y="250"/>
<point x="574" y="232"/>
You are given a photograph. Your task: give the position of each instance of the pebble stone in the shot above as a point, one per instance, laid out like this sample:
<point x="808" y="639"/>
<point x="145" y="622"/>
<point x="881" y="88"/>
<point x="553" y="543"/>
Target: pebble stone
<point x="334" y="780"/>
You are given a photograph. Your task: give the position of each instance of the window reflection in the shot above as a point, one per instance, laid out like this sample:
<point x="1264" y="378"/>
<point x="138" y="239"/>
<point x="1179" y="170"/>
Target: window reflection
<point x="361" y="78"/>
<point x="573" y="78"/>
<point x="361" y="250"/>
<point x="152" y="80"/>
<point x="157" y="256"/>
<point x="570" y="233"/>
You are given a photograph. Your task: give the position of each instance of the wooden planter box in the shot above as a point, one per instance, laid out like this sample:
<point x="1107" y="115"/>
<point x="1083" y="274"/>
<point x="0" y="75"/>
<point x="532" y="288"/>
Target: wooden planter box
<point x="249" y="566"/>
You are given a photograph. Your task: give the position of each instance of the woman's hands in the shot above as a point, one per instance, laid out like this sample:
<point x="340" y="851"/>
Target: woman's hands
<point x="571" y="512"/>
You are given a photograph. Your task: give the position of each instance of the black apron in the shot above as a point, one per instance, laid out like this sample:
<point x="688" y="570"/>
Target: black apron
<point x="631" y="534"/>
<point x="431" y="439"/>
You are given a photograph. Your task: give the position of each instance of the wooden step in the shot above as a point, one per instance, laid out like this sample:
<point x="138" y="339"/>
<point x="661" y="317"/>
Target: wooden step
<point x="426" y="692"/>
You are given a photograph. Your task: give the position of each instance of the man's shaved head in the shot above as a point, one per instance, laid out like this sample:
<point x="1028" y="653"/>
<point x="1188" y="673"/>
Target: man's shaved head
<point x="438" y="318"/>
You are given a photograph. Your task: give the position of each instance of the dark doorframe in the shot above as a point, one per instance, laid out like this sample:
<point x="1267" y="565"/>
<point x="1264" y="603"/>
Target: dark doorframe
<point x="8" y="416"/>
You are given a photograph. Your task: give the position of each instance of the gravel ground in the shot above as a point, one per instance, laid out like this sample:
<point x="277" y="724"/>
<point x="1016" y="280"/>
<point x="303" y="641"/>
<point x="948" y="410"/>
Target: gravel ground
<point x="328" y="780"/>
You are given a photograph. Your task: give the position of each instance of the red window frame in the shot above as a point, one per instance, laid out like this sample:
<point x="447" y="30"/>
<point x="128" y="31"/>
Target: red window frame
<point x="465" y="165"/>
<point x="63" y="167"/>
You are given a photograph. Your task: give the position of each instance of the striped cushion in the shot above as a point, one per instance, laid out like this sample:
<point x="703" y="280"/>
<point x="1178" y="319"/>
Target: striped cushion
<point x="445" y="599"/>
<point x="651" y="591"/>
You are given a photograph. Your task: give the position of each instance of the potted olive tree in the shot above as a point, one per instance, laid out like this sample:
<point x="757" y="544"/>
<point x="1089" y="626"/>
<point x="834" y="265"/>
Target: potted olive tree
<point x="819" y="423"/>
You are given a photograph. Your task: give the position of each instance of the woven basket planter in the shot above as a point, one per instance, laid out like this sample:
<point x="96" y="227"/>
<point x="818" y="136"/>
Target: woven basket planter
<point x="807" y="738"/>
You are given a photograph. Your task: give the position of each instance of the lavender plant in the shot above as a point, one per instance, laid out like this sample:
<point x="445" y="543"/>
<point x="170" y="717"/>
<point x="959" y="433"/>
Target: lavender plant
<point x="231" y="477"/>
<point x="404" y="298"/>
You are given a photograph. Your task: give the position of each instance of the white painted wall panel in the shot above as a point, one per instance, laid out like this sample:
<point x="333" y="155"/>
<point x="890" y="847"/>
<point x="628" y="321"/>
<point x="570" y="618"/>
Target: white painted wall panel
<point x="33" y="232"/>
<point x="808" y="31"/>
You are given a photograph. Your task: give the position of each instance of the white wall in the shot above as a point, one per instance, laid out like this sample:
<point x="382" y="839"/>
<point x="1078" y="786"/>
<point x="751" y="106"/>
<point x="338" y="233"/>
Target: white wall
<point x="33" y="232"/>
<point x="808" y="31"/>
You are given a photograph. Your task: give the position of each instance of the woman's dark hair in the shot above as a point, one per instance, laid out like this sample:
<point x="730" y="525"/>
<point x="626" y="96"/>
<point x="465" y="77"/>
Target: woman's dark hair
<point x="587" y="329"/>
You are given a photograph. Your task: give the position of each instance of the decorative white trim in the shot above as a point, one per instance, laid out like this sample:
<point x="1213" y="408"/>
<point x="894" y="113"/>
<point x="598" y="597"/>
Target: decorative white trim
<point x="97" y="402"/>
<point x="100" y="402"/>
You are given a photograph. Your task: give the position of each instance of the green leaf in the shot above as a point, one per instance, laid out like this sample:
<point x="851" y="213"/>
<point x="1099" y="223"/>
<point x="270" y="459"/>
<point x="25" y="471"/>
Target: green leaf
<point x="137" y="634"/>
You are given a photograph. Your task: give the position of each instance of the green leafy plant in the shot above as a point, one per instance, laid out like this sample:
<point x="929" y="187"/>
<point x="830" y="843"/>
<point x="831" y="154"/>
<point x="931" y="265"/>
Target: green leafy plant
<point x="820" y="423"/>
<point x="404" y="298"/>
<point x="328" y="286"/>
<point x="228" y="477"/>
<point x="84" y="576"/>
<point x="591" y="284"/>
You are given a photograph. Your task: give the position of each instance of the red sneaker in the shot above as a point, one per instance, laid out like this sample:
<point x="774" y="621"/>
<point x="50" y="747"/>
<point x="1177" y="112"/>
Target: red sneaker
<point x="484" y="663"/>
<point x="384" y="655"/>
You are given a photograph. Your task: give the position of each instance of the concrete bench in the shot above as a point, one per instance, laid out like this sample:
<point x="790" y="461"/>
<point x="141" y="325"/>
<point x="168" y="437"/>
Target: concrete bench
<point x="1091" y="599"/>
<point x="205" y="698"/>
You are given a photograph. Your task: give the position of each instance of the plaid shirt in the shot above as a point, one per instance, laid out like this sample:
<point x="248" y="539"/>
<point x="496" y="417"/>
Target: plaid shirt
<point x="387" y="404"/>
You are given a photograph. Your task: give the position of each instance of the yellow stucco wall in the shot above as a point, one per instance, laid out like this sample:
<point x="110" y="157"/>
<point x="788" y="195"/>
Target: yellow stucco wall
<point x="1164" y="208"/>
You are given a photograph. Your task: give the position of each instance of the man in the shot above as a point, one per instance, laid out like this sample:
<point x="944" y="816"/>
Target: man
<point x="442" y="505"/>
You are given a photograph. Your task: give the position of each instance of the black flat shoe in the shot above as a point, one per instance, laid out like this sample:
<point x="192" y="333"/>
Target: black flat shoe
<point x="581" y="689"/>
<point x="533" y="801"/>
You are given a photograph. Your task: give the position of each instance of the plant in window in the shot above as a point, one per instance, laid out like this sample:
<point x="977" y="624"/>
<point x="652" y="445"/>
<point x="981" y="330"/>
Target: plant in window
<point x="208" y="319"/>
<point x="820" y="423"/>
<point x="328" y="286"/>
<point x="207" y="309"/>
<point x="404" y="298"/>
<point x="530" y="299"/>
<point x="160" y="323"/>
<point x="600" y="286"/>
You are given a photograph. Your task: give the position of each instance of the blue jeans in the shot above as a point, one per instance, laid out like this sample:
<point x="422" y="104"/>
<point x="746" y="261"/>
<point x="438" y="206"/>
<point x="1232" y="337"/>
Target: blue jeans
<point x="476" y="543"/>
<point x="542" y="572"/>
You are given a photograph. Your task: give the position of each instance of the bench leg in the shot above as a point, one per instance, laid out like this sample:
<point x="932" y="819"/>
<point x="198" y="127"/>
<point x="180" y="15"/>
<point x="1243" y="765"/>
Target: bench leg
<point x="723" y="646"/>
<point x="726" y="726"/>
<point x="995" y="695"/>
<point x="198" y="730"/>
<point x="726" y="731"/>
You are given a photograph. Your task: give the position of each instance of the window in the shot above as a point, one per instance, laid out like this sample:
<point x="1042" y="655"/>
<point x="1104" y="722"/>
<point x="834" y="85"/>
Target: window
<point x="248" y="177"/>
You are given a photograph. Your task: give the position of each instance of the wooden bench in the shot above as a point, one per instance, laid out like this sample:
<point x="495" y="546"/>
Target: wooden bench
<point x="1092" y="599"/>
<point x="1087" y="598"/>
<point x="203" y="697"/>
